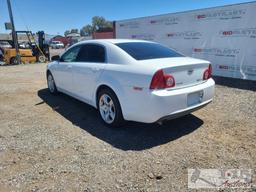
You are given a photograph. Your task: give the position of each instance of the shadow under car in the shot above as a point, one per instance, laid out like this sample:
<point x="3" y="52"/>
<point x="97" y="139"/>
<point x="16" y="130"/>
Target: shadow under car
<point x="132" y="136"/>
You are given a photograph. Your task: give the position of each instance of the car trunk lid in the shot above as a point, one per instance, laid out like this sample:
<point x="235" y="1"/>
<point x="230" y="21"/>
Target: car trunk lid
<point x="185" y="70"/>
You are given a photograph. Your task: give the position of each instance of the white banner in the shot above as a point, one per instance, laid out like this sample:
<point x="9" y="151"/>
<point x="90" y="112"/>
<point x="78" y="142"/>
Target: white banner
<point x="226" y="36"/>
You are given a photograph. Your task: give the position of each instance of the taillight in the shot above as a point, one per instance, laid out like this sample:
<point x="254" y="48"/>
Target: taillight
<point x="208" y="73"/>
<point x="162" y="81"/>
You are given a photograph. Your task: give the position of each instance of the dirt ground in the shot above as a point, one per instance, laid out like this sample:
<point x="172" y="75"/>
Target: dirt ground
<point x="56" y="143"/>
<point x="56" y="51"/>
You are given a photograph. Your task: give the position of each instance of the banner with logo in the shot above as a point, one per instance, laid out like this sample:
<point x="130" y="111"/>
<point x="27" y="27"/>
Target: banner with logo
<point x="226" y="36"/>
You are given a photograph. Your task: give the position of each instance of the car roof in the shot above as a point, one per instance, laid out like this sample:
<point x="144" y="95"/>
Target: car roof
<point x="113" y="41"/>
<point x="116" y="55"/>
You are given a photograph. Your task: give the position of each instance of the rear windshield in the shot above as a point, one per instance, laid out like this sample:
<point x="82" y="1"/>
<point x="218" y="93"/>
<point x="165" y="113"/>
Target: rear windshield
<point x="144" y="51"/>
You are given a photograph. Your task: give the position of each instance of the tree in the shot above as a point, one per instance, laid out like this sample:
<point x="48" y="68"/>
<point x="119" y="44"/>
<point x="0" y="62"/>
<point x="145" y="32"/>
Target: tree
<point x="109" y="24"/>
<point x="86" y="30"/>
<point x="66" y="32"/>
<point x="97" y="24"/>
<point x="74" y="31"/>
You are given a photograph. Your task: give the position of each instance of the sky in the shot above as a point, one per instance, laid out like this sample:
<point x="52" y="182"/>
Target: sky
<point x="57" y="16"/>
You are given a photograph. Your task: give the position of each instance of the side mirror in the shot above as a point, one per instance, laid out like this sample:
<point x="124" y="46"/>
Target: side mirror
<point x="55" y="58"/>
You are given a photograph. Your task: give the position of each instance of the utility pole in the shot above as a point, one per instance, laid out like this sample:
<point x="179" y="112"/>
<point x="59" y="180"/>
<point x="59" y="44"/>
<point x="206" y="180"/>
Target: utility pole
<point x="14" y="34"/>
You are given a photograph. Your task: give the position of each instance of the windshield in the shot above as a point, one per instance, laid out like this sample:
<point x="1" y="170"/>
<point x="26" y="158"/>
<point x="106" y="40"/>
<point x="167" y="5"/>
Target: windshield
<point x="144" y="50"/>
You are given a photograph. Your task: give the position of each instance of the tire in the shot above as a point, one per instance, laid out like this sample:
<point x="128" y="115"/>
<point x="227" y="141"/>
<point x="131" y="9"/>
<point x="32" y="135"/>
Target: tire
<point x="109" y="108"/>
<point x="14" y="61"/>
<point x="42" y="59"/>
<point x="51" y="84"/>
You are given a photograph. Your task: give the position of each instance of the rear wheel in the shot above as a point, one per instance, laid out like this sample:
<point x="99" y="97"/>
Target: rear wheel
<point x="51" y="84"/>
<point x="109" y="108"/>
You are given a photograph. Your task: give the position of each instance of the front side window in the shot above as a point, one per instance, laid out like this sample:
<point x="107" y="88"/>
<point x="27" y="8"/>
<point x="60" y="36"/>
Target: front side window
<point x="71" y="54"/>
<point x="144" y="50"/>
<point x="91" y="53"/>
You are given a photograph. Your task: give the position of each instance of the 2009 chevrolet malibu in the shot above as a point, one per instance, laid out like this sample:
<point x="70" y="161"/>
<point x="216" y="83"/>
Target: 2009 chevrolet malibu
<point x="132" y="80"/>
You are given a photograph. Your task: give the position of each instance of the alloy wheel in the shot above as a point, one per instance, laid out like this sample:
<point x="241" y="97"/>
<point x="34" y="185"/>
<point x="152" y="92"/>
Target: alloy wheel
<point x="107" y="108"/>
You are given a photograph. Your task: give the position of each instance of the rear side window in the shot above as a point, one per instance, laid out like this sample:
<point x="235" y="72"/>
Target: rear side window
<point x="91" y="53"/>
<point x="144" y="50"/>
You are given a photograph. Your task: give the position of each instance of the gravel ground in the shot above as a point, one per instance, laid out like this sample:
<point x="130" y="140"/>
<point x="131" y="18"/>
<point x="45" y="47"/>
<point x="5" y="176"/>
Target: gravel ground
<point x="56" y="51"/>
<point x="56" y="143"/>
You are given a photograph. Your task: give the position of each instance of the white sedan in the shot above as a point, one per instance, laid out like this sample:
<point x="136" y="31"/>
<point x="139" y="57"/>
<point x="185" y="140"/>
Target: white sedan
<point x="132" y="80"/>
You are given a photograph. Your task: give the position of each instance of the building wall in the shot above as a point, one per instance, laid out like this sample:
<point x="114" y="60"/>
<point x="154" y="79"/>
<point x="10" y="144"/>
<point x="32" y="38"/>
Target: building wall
<point x="103" y="35"/>
<point x="226" y="36"/>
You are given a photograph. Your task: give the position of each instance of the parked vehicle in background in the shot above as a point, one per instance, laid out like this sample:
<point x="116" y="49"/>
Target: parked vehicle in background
<point x="57" y="45"/>
<point x="5" y="44"/>
<point x="24" y="45"/>
<point x="132" y="80"/>
<point x="32" y="50"/>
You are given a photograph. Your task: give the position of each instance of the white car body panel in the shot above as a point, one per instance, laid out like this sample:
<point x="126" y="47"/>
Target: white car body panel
<point x="130" y="80"/>
<point x="88" y="74"/>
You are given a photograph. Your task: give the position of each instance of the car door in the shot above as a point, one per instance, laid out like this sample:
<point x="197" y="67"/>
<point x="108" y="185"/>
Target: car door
<point x="90" y="63"/>
<point x="63" y="72"/>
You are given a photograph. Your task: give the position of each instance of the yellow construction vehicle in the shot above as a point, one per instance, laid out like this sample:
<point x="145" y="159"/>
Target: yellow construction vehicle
<point x="9" y="54"/>
<point x="26" y="56"/>
<point x="29" y="52"/>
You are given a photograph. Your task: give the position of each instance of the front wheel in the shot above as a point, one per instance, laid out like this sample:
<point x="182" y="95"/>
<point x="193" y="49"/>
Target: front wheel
<point x="42" y="59"/>
<point x="109" y="108"/>
<point x="51" y="84"/>
<point x="14" y="61"/>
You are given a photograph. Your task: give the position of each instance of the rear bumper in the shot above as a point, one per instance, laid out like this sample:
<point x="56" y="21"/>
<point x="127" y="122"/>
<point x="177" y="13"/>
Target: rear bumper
<point x="181" y="113"/>
<point x="152" y="106"/>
